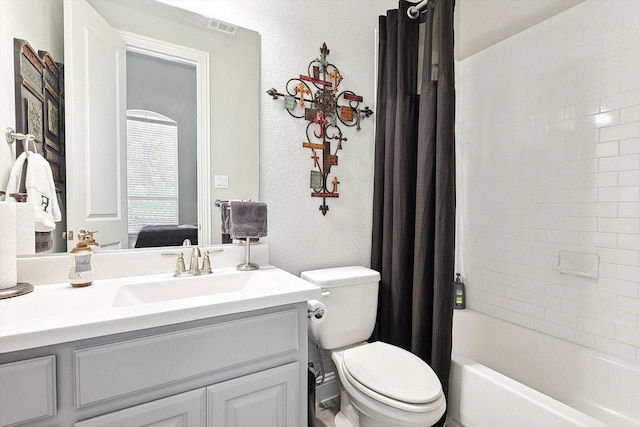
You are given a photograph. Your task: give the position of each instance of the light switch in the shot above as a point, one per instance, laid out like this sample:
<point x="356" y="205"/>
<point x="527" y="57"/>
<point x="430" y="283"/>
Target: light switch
<point x="222" y="181"/>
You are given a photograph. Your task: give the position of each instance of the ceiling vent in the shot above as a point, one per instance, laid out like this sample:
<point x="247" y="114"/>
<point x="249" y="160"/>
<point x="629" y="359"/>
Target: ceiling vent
<point x="223" y="27"/>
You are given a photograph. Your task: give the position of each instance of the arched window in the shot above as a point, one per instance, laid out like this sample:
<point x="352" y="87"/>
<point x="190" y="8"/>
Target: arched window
<point x="152" y="170"/>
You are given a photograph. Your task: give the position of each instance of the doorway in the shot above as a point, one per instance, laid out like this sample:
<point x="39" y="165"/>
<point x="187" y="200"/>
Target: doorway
<point x="162" y="149"/>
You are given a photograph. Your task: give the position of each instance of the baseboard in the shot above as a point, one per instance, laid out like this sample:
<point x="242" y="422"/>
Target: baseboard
<point x="328" y="389"/>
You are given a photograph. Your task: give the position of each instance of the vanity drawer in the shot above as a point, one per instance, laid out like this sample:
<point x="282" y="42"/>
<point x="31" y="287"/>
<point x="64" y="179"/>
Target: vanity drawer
<point x="27" y="390"/>
<point x="114" y="370"/>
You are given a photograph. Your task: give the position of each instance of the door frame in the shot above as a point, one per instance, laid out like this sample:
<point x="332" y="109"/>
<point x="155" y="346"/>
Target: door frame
<point x="200" y="59"/>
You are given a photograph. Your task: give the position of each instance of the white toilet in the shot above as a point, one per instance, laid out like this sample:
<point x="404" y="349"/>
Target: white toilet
<point x="381" y="385"/>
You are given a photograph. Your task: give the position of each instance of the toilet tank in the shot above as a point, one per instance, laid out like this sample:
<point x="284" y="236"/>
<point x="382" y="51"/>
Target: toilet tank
<point x="351" y="297"/>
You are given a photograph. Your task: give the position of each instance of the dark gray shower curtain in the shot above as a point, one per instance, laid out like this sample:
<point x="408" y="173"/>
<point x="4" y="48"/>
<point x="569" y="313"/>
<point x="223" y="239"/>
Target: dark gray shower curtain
<point x="414" y="185"/>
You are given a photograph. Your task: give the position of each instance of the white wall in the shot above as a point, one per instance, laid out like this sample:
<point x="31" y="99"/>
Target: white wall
<point x="44" y="32"/>
<point x="292" y="32"/>
<point x="549" y="160"/>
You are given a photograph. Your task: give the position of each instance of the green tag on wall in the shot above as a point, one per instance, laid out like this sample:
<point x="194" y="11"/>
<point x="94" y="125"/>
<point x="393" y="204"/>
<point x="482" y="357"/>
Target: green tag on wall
<point x="316" y="180"/>
<point x="289" y="102"/>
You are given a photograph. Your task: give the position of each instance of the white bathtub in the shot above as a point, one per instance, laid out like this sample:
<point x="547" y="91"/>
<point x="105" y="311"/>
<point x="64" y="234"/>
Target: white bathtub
<point x="506" y="375"/>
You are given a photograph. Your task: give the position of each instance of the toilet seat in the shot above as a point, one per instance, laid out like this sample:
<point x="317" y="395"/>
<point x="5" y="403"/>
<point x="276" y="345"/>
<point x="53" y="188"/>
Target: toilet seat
<point x="392" y="376"/>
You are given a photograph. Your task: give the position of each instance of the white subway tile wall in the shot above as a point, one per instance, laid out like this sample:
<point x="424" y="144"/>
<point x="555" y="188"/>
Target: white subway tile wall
<point x="548" y="140"/>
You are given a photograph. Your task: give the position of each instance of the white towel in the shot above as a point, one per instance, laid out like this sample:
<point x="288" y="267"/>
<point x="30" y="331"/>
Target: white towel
<point x="15" y="174"/>
<point x="41" y="191"/>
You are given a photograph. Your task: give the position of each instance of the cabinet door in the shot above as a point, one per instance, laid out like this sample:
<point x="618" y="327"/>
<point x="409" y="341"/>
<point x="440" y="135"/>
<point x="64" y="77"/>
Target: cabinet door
<point x="27" y="390"/>
<point x="267" y="399"/>
<point x="182" y="410"/>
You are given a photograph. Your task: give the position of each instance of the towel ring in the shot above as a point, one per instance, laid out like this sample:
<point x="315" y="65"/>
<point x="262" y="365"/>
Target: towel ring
<point x="25" y="144"/>
<point x="13" y="136"/>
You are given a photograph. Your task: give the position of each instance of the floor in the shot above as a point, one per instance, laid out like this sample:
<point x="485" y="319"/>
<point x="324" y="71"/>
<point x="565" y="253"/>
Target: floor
<point x="325" y="411"/>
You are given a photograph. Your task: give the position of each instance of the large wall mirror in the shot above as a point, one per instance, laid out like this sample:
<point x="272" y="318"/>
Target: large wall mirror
<point x="181" y="95"/>
<point x="163" y="82"/>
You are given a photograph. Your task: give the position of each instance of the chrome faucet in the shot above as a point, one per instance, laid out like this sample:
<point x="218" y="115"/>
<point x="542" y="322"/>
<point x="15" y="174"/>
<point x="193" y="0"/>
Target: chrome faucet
<point x="194" y="264"/>
<point x="194" y="267"/>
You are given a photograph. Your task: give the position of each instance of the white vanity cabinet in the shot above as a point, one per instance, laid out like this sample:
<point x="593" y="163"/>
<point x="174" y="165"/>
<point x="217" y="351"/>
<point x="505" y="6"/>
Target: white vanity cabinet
<point x="241" y="370"/>
<point x="182" y="410"/>
<point x="266" y="398"/>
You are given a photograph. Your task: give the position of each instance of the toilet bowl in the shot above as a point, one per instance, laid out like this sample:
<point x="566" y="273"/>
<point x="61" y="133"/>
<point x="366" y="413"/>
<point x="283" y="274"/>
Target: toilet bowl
<point x="388" y="386"/>
<point x="381" y="385"/>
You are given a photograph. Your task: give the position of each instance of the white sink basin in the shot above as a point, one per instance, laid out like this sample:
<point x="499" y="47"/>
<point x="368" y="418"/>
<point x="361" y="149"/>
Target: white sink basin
<point x="175" y="288"/>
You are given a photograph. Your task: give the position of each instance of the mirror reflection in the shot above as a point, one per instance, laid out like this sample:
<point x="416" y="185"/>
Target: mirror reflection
<point x="203" y="125"/>
<point x="161" y="151"/>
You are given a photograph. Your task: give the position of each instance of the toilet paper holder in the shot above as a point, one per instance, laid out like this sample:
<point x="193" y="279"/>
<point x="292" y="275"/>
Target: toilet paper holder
<point x="318" y="313"/>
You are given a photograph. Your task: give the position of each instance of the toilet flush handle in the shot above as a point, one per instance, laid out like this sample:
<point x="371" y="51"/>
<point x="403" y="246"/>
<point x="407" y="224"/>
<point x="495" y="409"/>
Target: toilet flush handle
<point x="325" y="294"/>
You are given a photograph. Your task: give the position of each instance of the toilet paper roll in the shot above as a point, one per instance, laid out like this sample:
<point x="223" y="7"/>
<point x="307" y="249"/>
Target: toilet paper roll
<point x="8" y="247"/>
<point x="25" y="228"/>
<point x="316" y="311"/>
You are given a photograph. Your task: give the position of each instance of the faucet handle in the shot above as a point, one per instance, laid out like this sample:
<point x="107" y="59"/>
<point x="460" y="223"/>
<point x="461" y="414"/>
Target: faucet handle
<point x="180" y="267"/>
<point x="206" y="261"/>
<point x="206" y="264"/>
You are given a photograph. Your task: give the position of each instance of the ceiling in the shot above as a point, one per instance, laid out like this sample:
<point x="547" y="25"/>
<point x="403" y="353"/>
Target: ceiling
<point x="482" y="23"/>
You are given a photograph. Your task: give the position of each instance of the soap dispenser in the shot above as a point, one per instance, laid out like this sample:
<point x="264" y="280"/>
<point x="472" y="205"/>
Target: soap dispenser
<point x="91" y="242"/>
<point x="81" y="271"/>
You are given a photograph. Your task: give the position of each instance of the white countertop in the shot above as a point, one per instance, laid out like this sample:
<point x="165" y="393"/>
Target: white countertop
<point x="57" y="313"/>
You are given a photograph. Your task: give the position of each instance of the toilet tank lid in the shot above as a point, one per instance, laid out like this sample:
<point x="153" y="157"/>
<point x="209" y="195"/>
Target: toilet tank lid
<point x="340" y="276"/>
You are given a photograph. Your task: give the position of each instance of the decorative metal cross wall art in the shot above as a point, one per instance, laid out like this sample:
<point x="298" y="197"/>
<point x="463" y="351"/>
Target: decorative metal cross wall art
<point x="315" y="98"/>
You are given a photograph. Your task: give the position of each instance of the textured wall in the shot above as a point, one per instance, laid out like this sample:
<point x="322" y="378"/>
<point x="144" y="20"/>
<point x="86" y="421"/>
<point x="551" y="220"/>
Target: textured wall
<point x="292" y="31"/>
<point x="549" y="153"/>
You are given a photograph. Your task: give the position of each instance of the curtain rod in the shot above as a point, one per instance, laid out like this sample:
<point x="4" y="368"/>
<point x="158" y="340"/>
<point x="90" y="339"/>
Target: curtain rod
<point x="414" y="11"/>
